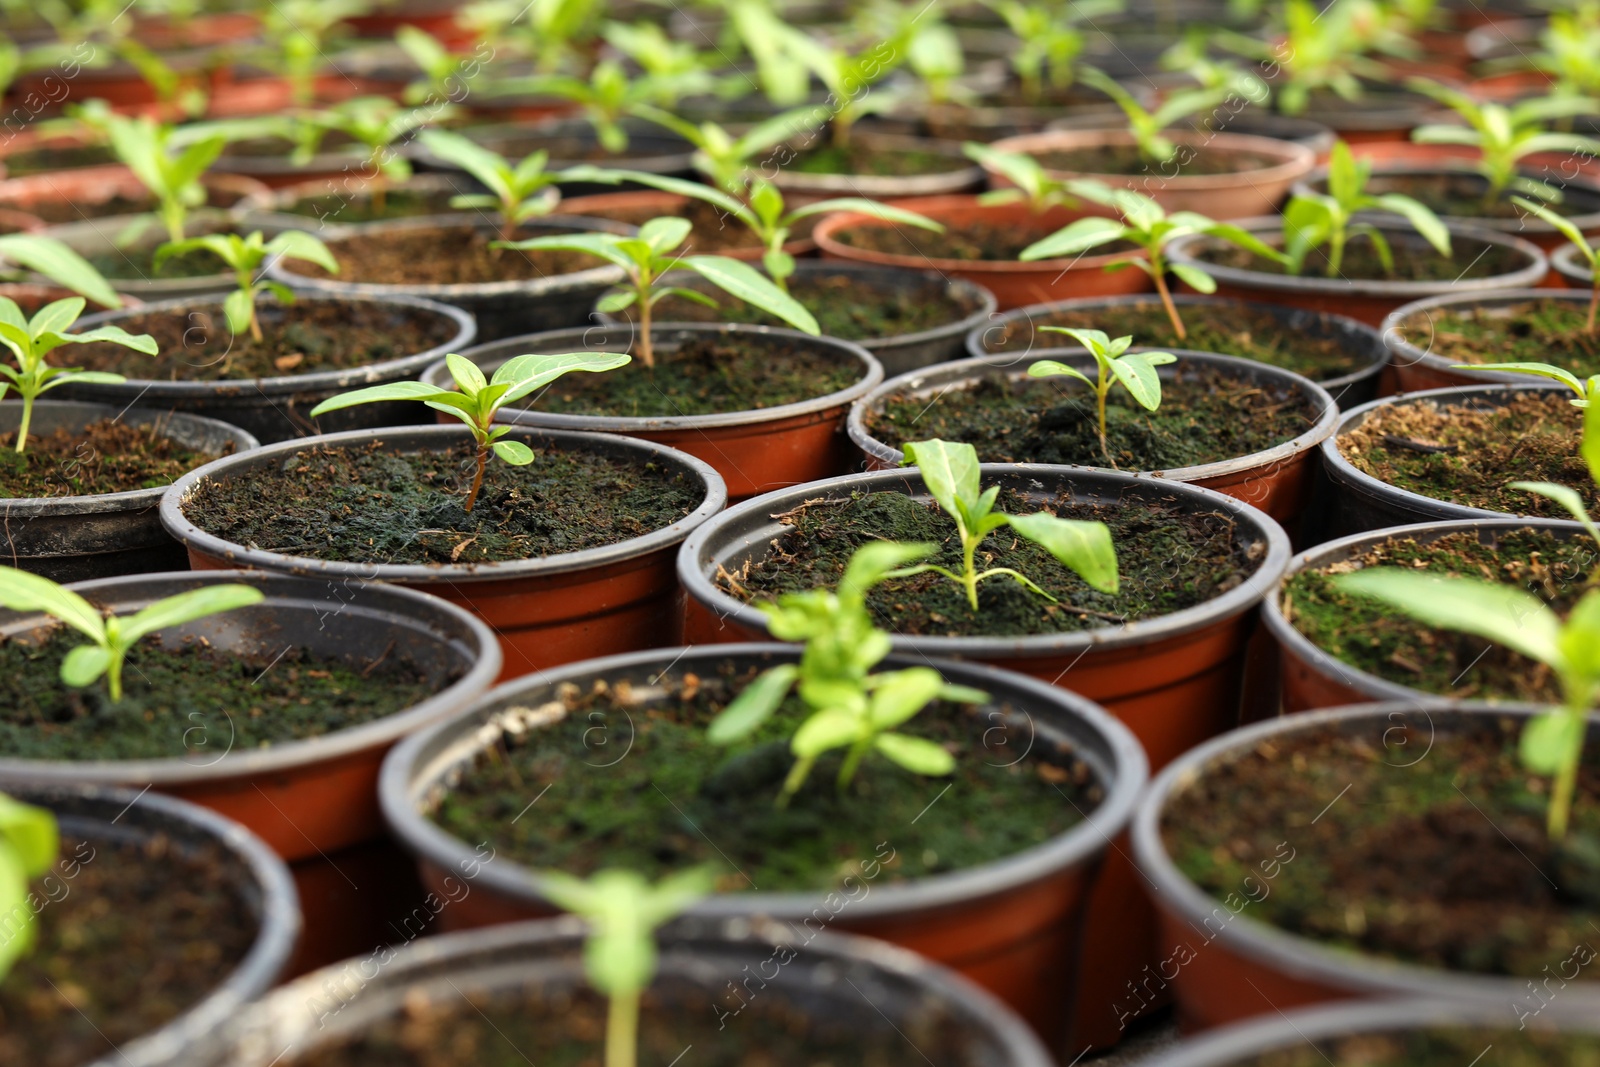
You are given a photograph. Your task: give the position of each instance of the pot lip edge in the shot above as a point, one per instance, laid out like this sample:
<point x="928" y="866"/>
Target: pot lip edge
<point x="1391" y="330"/>
<point x="1293" y="160"/>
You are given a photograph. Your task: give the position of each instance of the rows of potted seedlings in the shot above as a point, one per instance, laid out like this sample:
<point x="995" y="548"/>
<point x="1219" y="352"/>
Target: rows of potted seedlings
<point x="573" y="539"/>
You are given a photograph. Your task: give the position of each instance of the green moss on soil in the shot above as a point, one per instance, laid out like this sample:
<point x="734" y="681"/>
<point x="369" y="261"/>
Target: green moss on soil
<point x="1128" y="160"/>
<point x="874" y="160"/>
<point x="1469" y="259"/>
<point x="105" y="457"/>
<point x="1538" y="331"/>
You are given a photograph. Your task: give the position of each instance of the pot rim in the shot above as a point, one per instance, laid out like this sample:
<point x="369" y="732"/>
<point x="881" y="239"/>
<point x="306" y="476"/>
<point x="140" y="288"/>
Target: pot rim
<point x="1182" y="251"/>
<point x="1343" y="472"/>
<point x="1565" y="261"/>
<point x="565" y="126"/>
<point x="966" y="176"/>
<point x="1462" y="167"/>
<point x="1126" y="773"/>
<point x="1294" y="159"/>
<point x="449" y="575"/>
<point x="585" y="336"/>
<point x="466" y="331"/>
<point x="289" y="591"/>
<point x="988" y="648"/>
<point x="1301" y="957"/>
<point x="1393" y="331"/>
<point x="129" y="499"/>
<point x="962" y="370"/>
<point x="1291" y="640"/>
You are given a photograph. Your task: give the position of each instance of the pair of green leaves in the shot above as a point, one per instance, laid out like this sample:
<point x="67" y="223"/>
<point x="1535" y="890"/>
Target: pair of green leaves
<point x="1135" y="370"/>
<point x="172" y="174"/>
<point x="29" y="842"/>
<point x="1314" y="220"/>
<point x="1146" y="126"/>
<point x="245" y="257"/>
<point x="519" y="191"/>
<point x="623" y="911"/>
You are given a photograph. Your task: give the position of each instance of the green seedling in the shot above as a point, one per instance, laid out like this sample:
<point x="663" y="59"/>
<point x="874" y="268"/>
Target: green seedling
<point x="1146" y="126"/>
<point x="850" y="707"/>
<point x="30" y="341"/>
<point x="29" y="842"/>
<point x="1590" y="253"/>
<point x="606" y="97"/>
<point x="172" y="174"/>
<point x="784" y="79"/>
<point x="476" y="399"/>
<point x="1319" y="48"/>
<point x="517" y="191"/>
<point x="1569" y="50"/>
<point x="1135" y="370"/>
<point x="1314" y="220"/>
<point x="950" y="472"/>
<point x="1145" y="223"/>
<point x="653" y="253"/>
<point x="553" y="33"/>
<point x="111" y="636"/>
<point x="375" y="122"/>
<point x="1552" y="743"/>
<point x="670" y="63"/>
<point x="723" y="157"/>
<point x="1049" y="40"/>
<point x="245" y="257"/>
<point x="619" y="958"/>
<point x="1030" y="181"/>
<point x="300" y="35"/>
<point x="851" y="78"/>
<point x="934" y="55"/>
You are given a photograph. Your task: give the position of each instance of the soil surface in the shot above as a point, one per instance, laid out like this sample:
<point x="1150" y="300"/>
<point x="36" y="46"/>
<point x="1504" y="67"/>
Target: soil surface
<point x="130" y="936"/>
<point x="1538" y="331"/>
<point x="305" y="337"/>
<point x="444" y="255"/>
<point x="43" y="160"/>
<point x="1469" y="456"/>
<point x="346" y="209"/>
<point x="1204" y="417"/>
<point x="1129" y="160"/>
<point x="192" y="701"/>
<point x="704" y="377"/>
<point x="968" y="239"/>
<point x="642" y="813"/>
<point x="715" y="231"/>
<point x="136" y="262"/>
<point x="104" y="457"/>
<point x="563" y="1028"/>
<point x="1439" y="859"/>
<point x="845" y="306"/>
<point x="373" y="505"/>
<point x="1462" y="196"/>
<point x="1436" y="1048"/>
<point x="1469" y="259"/>
<point x="1229" y="329"/>
<point x="1369" y="635"/>
<point x="875" y="160"/>
<point x="1168" y="558"/>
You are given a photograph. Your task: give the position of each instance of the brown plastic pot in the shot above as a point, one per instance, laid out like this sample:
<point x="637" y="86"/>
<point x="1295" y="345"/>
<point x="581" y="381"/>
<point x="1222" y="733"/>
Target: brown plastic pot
<point x="1258" y="190"/>
<point x="277" y="207"/>
<point x="1312" y="678"/>
<point x="1013" y="283"/>
<point x="754" y="451"/>
<point x="657" y="203"/>
<point x="801" y="186"/>
<point x="80" y="186"/>
<point x="546" y="611"/>
<point x="1235" y="967"/>
<point x="1277" y="480"/>
<point x="1410" y="346"/>
<point x="1367" y="300"/>
<point x="1012" y="925"/>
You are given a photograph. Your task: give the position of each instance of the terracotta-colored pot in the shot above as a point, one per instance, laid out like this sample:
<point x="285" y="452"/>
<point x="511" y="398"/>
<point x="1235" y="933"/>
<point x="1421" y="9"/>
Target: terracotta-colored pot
<point x="271" y="95"/>
<point x="1234" y="967"/>
<point x="754" y="451"/>
<point x="1012" y="925"/>
<point x="1259" y="190"/>
<point x="1013" y="283"/>
<point x="81" y="186"/>
<point x="801" y="186"/>
<point x="1415" y="365"/>
<point x="545" y="611"/>
<point x="440" y="20"/>
<point x="625" y="205"/>
<point x="165" y="33"/>
<point x="12" y="221"/>
<point x="1366" y="300"/>
<point x="1278" y="480"/>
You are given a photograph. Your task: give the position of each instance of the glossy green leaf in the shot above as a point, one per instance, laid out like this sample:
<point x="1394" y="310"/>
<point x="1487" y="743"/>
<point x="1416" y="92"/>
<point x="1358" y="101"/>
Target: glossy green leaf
<point x="1547" y="739"/>
<point x="875" y="560"/>
<point x="1137" y="371"/>
<point x="950" y="471"/>
<point x="827" y="729"/>
<point x="754" y="705"/>
<point x="1502" y="613"/>
<point x="748" y="284"/>
<point x="186" y="607"/>
<point x="514" y="452"/>
<point x="23" y="591"/>
<point x="900" y="695"/>
<point x="1083" y="546"/>
<point x="84" y="665"/>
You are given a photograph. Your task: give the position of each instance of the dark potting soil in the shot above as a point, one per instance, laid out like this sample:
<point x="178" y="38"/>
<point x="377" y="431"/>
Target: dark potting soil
<point x="136" y="262"/>
<point x="1375" y="638"/>
<point x="1204" y="417"/>
<point x="443" y="255"/>
<point x="191" y="701"/>
<point x="875" y="160"/>
<point x="1536" y="331"/>
<point x="1469" y="259"/>
<point x="104" y="457"/>
<point x="845" y="305"/>
<point x="970" y="239"/>
<point x="703" y="377"/>
<point x="560" y="1027"/>
<point x="363" y="207"/>
<point x="1229" y="329"/>
<point x="372" y="505"/>
<point x="1437" y="1048"/>
<point x="642" y="813"/>
<point x="714" y="232"/>
<point x="1439" y="859"/>
<point x="1168" y="557"/>
<point x="305" y="337"/>
<point x="129" y="937"/>
<point x="1462" y="196"/>
<point x="1469" y="456"/>
<point x="1129" y="160"/>
<point x="50" y="160"/>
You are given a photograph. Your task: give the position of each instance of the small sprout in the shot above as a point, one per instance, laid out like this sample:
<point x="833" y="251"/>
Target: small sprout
<point x="1031" y="180"/>
<point x="31" y="340"/>
<point x="1313" y="220"/>
<point x="724" y="157"/>
<point x="442" y="70"/>
<point x="518" y="192"/>
<point x="172" y="174"/>
<point x="1048" y="40"/>
<point x="675" y="64"/>
<point x="1146" y="126"/>
<point x="375" y="122"/>
<point x="645" y="258"/>
<point x="246" y="255"/>
<point x="1552" y="743"/>
<point x="476" y="399"/>
<point x="850" y="707"/>
<point x="623" y="911"/>
<point x="1135" y="370"/>
<point x="29" y="842"/>
<point x="950" y="471"/>
<point x="1318" y="47"/>
<point x="113" y="635"/>
<point x="1590" y="254"/>
<point x="299" y="37"/>
<point x="607" y="97"/>
<point x="851" y="78"/>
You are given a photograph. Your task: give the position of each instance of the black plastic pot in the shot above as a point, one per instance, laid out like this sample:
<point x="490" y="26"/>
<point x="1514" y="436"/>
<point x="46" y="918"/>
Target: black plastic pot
<point x="961" y="176"/>
<point x="274" y="207"/>
<point x="276" y="409"/>
<point x="1243" y="967"/>
<point x="96" y="814"/>
<point x="1577" y="271"/>
<point x="947" y="917"/>
<point x="1016" y="331"/>
<point x="1358" y="502"/>
<point x="651" y="149"/>
<point x="71" y="538"/>
<point x="898" y="353"/>
<point x="1410" y="346"/>
<point x="502" y="309"/>
<point x="850" y="981"/>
